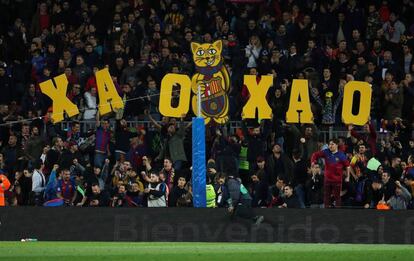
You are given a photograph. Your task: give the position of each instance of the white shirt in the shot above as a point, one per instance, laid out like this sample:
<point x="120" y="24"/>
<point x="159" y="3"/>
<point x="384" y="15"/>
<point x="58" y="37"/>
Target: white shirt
<point x="38" y="181"/>
<point x="90" y="109"/>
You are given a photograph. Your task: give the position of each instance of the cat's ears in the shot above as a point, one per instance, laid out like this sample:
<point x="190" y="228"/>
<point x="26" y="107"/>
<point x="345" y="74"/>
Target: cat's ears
<point x="194" y="47"/>
<point x="218" y="45"/>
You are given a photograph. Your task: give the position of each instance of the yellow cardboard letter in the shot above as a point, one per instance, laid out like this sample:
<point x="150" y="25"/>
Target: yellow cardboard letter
<point x="61" y="103"/>
<point x="166" y="94"/>
<point x="364" y="103"/>
<point x="299" y="103"/>
<point x="257" y="97"/>
<point x="108" y="96"/>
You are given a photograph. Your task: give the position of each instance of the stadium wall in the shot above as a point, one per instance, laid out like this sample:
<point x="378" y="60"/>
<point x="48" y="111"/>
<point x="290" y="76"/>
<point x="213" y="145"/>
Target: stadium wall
<point x="206" y="225"/>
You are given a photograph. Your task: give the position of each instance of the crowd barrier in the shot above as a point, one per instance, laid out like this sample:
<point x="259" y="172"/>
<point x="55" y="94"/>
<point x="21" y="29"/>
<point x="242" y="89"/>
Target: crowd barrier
<point x="324" y="135"/>
<point x="206" y="225"/>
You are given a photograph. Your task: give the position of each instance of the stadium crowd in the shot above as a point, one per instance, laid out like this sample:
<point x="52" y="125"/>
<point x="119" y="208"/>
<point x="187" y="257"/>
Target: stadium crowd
<point x="280" y="165"/>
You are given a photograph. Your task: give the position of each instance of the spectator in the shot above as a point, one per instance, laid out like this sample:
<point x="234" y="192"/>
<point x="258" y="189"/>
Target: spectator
<point x="51" y="186"/>
<point x="393" y="101"/>
<point x="34" y="145"/>
<point x="156" y="192"/>
<point x="120" y="199"/>
<point x="5" y="85"/>
<point x="253" y="51"/>
<point x="32" y="100"/>
<point x="135" y="195"/>
<point x="38" y="183"/>
<point x="103" y="136"/>
<point x="81" y="71"/>
<point x="299" y="175"/>
<point x="401" y="198"/>
<point x="97" y="197"/>
<point x="11" y="154"/>
<point x="314" y="187"/>
<point x="388" y="186"/>
<point x="256" y="143"/>
<point x="335" y="162"/>
<point x="90" y="104"/>
<point x="122" y="138"/>
<point x="174" y="145"/>
<point x="259" y="187"/>
<point x="66" y="188"/>
<point x="290" y="200"/>
<point x="177" y="192"/>
<point x="275" y="193"/>
<point x="23" y="187"/>
<point x="53" y="155"/>
<point x="393" y="29"/>
<point x="279" y="165"/>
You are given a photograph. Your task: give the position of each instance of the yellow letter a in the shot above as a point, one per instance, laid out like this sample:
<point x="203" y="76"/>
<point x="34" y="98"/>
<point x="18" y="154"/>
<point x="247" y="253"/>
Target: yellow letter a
<point x="61" y="103"/>
<point x="108" y="96"/>
<point x="257" y="97"/>
<point x="302" y="107"/>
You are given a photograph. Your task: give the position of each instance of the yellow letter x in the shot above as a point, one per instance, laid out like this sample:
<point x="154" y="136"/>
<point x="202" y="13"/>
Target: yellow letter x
<point x="61" y="103"/>
<point x="257" y="97"/>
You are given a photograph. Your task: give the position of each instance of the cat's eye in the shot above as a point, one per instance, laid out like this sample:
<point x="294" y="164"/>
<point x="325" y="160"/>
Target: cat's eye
<point x="212" y="51"/>
<point x="200" y="52"/>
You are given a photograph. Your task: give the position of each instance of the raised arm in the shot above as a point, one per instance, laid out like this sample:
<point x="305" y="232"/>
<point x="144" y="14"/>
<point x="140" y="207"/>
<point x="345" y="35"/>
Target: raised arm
<point x="156" y="124"/>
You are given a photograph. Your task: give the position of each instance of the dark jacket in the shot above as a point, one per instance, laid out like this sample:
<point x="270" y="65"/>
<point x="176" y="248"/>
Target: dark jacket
<point x="34" y="147"/>
<point x="286" y="171"/>
<point x="235" y="194"/>
<point x="122" y="138"/>
<point x="256" y="144"/>
<point x="292" y="202"/>
<point x="175" y="145"/>
<point x="313" y="188"/>
<point x="175" y="194"/>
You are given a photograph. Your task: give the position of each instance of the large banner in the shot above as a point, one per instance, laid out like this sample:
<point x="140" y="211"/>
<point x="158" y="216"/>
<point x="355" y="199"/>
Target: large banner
<point x="213" y="81"/>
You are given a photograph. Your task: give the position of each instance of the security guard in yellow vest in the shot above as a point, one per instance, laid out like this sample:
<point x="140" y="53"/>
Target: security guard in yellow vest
<point x="210" y="194"/>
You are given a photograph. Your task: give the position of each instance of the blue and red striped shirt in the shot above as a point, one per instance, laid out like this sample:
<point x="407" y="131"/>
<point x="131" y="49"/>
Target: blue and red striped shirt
<point x="103" y="138"/>
<point x="67" y="189"/>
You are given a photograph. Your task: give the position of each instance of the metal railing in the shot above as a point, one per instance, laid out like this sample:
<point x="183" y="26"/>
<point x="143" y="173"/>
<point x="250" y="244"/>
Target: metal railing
<point x="324" y="135"/>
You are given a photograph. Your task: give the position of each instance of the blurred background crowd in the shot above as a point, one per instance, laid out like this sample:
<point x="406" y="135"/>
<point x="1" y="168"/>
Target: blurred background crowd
<point x="136" y="157"/>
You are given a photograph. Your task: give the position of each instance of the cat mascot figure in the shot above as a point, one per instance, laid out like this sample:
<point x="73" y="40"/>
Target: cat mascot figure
<point x="213" y="79"/>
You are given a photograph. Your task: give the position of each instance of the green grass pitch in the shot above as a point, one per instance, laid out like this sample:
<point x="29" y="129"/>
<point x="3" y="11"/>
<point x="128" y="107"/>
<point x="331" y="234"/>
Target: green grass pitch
<point x="199" y="251"/>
